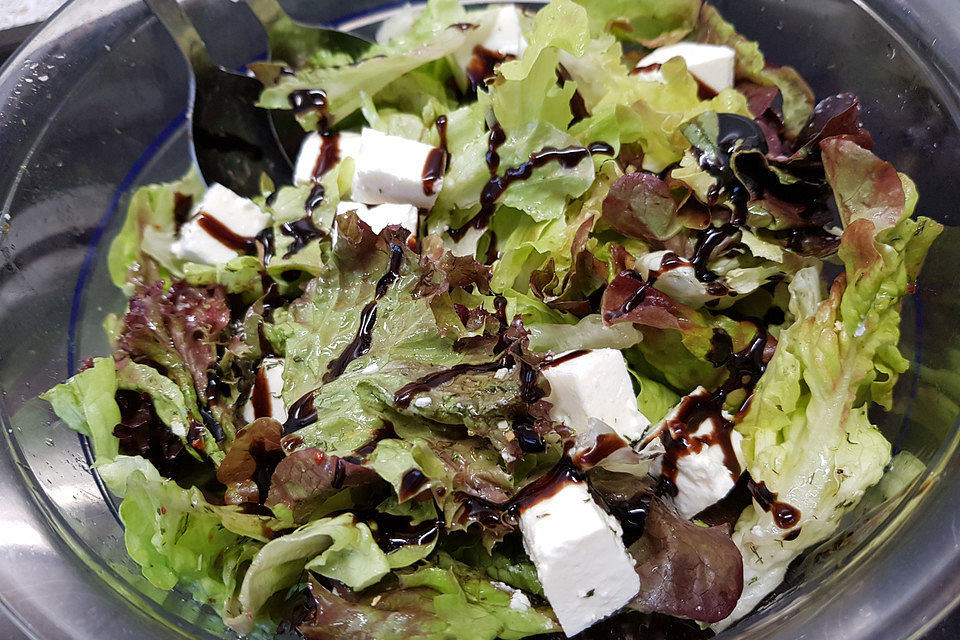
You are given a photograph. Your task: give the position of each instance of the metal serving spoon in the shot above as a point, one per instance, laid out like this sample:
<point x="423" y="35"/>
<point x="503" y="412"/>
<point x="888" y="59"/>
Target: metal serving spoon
<point x="234" y="140"/>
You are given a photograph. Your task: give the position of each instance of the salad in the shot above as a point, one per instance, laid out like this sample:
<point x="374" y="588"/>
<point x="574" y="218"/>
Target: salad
<point x="570" y="325"/>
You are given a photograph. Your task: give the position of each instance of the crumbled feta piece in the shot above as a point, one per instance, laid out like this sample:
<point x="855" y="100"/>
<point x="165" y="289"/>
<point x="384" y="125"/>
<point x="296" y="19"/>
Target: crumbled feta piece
<point x="502" y="34"/>
<point x="391" y="169"/>
<point x="373" y="367"/>
<point x="423" y="401"/>
<point x="711" y="64"/>
<point x="239" y="215"/>
<point x="270" y="375"/>
<point x="505" y="35"/>
<point x="384" y="215"/>
<point x="703" y="478"/>
<point x="519" y="601"/>
<point x="594" y="384"/>
<point x="678" y="280"/>
<point x="346" y="145"/>
<point x="580" y="558"/>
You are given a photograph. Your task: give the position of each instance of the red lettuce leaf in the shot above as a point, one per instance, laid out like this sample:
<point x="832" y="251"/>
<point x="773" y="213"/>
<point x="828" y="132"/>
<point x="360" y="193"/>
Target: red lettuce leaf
<point x="306" y="478"/>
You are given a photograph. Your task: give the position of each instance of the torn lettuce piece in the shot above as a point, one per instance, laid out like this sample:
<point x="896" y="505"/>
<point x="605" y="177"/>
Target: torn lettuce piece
<point x="651" y="23"/>
<point x="807" y="435"/>
<point x="750" y="64"/>
<point x="149" y="229"/>
<point x="339" y="548"/>
<point x="86" y="402"/>
<point x="442" y="600"/>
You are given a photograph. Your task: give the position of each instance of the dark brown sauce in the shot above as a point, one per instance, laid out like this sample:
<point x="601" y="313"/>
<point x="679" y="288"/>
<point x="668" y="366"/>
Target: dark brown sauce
<point x="736" y="133"/>
<point x="305" y="100"/>
<point x="530" y="391"/>
<point x="302" y="413"/>
<point x="394" y="532"/>
<point x="222" y="234"/>
<point x="492" y="514"/>
<point x="606" y="444"/>
<point x="266" y="347"/>
<point x="411" y="484"/>
<point x="433" y="170"/>
<point x="650" y="67"/>
<point x="314" y="198"/>
<point x="182" y="205"/>
<point x="495" y="140"/>
<point x="360" y="345"/>
<point x="669" y="262"/>
<point x="260" y="397"/>
<point x="329" y="154"/>
<point x="481" y="66"/>
<point x="784" y="515"/>
<point x="578" y="108"/>
<point x="528" y="439"/>
<point x="707" y="242"/>
<point x="406" y="393"/>
<point x="303" y="231"/>
<point x="266" y="240"/>
<point x="464" y="26"/>
<point x="745" y="366"/>
<point x="679" y="441"/>
<point x="291" y="443"/>
<point x="441" y="124"/>
<point x="567" y="158"/>
<point x="793" y="535"/>
<point x="383" y="433"/>
<point x="631" y="303"/>
<point x="567" y="357"/>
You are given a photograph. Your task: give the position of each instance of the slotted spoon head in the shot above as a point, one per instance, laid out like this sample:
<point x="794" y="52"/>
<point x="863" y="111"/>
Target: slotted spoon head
<point x="236" y="142"/>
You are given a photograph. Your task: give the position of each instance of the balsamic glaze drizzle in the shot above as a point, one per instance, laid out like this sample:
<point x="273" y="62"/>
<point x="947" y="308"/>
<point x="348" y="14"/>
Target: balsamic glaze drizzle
<point x="360" y="345"/>
<point x="329" y="154"/>
<point x="567" y="158"/>
<point x="441" y="124"/>
<point x="222" y="234"/>
<point x="303" y="231"/>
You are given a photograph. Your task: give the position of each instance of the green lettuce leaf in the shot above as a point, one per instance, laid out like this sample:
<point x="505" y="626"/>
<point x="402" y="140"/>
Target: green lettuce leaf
<point x="798" y="98"/>
<point x="177" y="537"/>
<point x="86" y="403"/>
<point x="340" y="548"/>
<point x="150" y="227"/>
<point x="440" y="601"/>
<point x="652" y="23"/>
<point x="807" y="434"/>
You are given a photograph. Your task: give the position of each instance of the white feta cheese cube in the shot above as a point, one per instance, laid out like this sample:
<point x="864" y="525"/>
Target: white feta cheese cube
<point x="677" y="279"/>
<point x="501" y="33"/>
<point x="711" y="64"/>
<point x="702" y="478"/>
<point x="265" y="398"/>
<point x="580" y="558"/>
<point x="345" y="144"/>
<point x="396" y="170"/>
<point x="506" y="36"/>
<point x="240" y="216"/>
<point x="345" y="205"/>
<point x="385" y="215"/>
<point x="594" y="384"/>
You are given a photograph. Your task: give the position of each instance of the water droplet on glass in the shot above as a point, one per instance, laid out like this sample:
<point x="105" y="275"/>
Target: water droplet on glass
<point x="48" y="442"/>
<point x="43" y="78"/>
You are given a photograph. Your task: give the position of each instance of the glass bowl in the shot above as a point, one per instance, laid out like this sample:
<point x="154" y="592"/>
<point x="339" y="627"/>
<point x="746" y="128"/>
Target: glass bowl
<point x="96" y="104"/>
